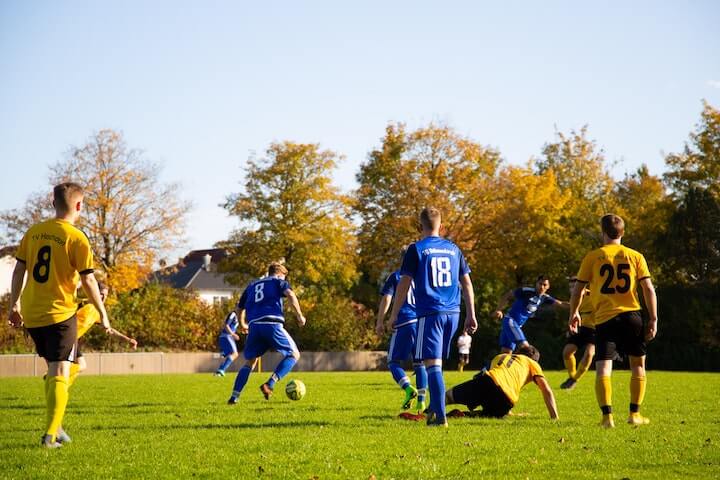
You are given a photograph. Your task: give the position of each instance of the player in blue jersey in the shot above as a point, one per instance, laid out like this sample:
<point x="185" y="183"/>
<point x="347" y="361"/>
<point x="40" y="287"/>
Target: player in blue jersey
<point x="526" y="302"/>
<point x="439" y="272"/>
<point x="402" y="342"/>
<point x="260" y="310"/>
<point x="226" y="341"/>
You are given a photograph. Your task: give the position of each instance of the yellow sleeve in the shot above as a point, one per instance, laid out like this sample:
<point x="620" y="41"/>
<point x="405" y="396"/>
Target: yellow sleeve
<point x="21" y="253"/>
<point x="585" y="272"/>
<point x="535" y="369"/>
<point x="642" y="269"/>
<point x="81" y="255"/>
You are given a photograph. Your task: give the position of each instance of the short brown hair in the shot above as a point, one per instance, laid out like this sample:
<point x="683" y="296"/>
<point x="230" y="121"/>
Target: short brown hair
<point x="430" y="218"/>
<point x="65" y="194"/>
<point x="529" y="351"/>
<point x="276" y="267"/>
<point x="613" y="226"/>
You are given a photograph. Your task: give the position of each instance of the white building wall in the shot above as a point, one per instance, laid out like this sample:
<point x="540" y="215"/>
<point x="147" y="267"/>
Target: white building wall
<point x="212" y="296"/>
<point x="7" y="265"/>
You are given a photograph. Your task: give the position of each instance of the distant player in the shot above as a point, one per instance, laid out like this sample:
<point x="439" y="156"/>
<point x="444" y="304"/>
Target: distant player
<point x="439" y="271"/>
<point x="585" y="337"/>
<point x="525" y="304"/>
<point x="497" y="390"/>
<point x="55" y="255"/>
<point x="227" y="343"/>
<point x="464" y="342"/>
<point x="613" y="273"/>
<point x="402" y="342"/>
<point x="260" y="310"/>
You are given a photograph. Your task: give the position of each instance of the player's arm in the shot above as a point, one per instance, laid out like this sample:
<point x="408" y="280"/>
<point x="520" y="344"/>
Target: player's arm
<point x="502" y="303"/>
<point x="242" y="320"/>
<point x="548" y="396"/>
<point x="578" y="293"/>
<point x="469" y="296"/>
<point x="651" y="304"/>
<point x="229" y="330"/>
<point x="383" y="308"/>
<point x="16" y="286"/>
<point x="90" y="286"/>
<point x="133" y="343"/>
<point x="400" y="297"/>
<point x="296" y="306"/>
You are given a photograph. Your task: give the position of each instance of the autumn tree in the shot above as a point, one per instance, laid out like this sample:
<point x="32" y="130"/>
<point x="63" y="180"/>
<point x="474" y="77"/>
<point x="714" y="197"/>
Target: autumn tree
<point x="129" y="216"/>
<point x="699" y="163"/>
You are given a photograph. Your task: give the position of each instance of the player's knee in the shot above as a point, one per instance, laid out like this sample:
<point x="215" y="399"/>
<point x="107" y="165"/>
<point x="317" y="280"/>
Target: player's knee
<point x="233" y="355"/>
<point x="296" y="355"/>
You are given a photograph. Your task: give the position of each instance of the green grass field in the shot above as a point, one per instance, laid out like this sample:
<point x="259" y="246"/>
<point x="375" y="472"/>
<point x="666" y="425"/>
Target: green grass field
<point x="346" y="427"/>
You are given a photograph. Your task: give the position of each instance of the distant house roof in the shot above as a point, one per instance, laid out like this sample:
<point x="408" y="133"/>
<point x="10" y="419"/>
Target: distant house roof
<point x="198" y="270"/>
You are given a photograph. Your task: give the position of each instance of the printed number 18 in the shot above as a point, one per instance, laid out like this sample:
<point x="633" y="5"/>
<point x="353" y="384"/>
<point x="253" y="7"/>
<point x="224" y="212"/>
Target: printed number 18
<point x="441" y="271"/>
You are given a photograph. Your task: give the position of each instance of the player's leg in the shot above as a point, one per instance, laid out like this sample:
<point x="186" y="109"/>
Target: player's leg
<point x="283" y="343"/>
<point x="255" y="346"/>
<point x="241" y="379"/>
<point x="509" y="333"/>
<point x="637" y="390"/>
<point x="606" y="350"/>
<point x="401" y="348"/>
<point x="438" y="333"/>
<point x="570" y="364"/>
<point x="229" y="350"/>
<point x="585" y="361"/>
<point x="421" y="384"/>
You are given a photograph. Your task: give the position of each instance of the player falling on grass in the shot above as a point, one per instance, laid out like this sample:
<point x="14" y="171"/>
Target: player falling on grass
<point x="402" y="342"/>
<point x="526" y="302"/>
<point x="439" y="271"/>
<point x="227" y="342"/>
<point x="585" y="337"/>
<point x="55" y="254"/>
<point x="260" y="310"/>
<point x="497" y="390"/>
<point x="613" y="273"/>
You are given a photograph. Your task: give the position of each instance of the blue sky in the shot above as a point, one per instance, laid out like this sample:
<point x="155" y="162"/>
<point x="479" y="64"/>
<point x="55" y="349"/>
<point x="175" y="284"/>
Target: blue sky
<point x="201" y="86"/>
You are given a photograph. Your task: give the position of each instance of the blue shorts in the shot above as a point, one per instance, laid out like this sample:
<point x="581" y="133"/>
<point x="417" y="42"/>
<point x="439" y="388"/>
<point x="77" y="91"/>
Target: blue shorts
<point x="268" y="336"/>
<point x="511" y="334"/>
<point x="435" y="333"/>
<point x="227" y="345"/>
<point x="402" y="343"/>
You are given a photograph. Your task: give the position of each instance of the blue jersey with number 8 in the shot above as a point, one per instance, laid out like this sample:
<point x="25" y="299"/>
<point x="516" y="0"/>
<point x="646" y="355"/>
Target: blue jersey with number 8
<point x="262" y="300"/>
<point x="436" y="265"/>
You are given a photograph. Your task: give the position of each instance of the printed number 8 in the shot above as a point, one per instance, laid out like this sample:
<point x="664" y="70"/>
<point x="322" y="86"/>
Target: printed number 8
<point x="259" y="293"/>
<point x="43" y="263"/>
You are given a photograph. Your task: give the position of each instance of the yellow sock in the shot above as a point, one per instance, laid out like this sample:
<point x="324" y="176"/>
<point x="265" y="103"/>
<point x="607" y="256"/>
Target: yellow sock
<point x="582" y="368"/>
<point x="74" y="372"/>
<point x="57" y="400"/>
<point x="637" y="392"/>
<point x="603" y="392"/>
<point x="570" y="365"/>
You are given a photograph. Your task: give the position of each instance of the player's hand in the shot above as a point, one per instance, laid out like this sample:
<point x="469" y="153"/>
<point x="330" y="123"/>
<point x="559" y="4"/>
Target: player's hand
<point x="651" y="330"/>
<point x="236" y="336"/>
<point x="133" y="344"/>
<point x="393" y="321"/>
<point x="380" y="329"/>
<point x="574" y="322"/>
<point x="15" y="318"/>
<point x="471" y="324"/>
<point x="106" y="325"/>
<point x="301" y="320"/>
<point x="498" y="314"/>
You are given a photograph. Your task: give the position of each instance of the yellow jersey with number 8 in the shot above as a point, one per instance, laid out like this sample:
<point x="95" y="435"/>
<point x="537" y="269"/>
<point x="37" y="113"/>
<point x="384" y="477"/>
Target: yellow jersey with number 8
<point x="54" y="253"/>
<point x="613" y="272"/>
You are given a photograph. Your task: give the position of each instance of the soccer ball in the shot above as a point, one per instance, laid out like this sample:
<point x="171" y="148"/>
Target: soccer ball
<point x="295" y="389"/>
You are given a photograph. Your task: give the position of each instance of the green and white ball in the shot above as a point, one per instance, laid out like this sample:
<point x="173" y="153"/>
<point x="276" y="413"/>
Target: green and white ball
<point x="295" y="389"/>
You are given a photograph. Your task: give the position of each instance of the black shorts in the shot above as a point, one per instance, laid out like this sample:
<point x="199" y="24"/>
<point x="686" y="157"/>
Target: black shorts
<point x="465" y="358"/>
<point x="623" y="334"/>
<point x="56" y="342"/>
<point x="585" y="336"/>
<point x="482" y="391"/>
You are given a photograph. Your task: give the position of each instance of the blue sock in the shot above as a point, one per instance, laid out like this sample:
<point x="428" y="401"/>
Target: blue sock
<point x="421" y="381"/>
<point x="225" y="364"/>
<point x="437" y="390"/>
<point x="241" y="380"/>
<point x="283" y="368"/>
<point x="399" y="374"/>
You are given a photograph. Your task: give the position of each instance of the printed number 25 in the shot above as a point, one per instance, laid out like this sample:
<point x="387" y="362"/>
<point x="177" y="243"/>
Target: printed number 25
<point x="622" y="275"/>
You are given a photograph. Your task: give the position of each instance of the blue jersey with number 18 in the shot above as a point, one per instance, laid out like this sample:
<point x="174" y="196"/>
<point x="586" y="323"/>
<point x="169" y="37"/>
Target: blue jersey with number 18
<point x="436" y="265"/>
<point x="262" y="300"/>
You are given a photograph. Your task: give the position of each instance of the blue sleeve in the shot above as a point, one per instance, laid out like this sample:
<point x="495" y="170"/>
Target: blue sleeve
<point x="243" y="300"/>
<point x="389" y="287"/>
<point x="410" y="261"/>
<point x="549" y="300"/>
<point x="284" y="285"/>
<point x="518" y="293"/>
<point x="464" y="267"/>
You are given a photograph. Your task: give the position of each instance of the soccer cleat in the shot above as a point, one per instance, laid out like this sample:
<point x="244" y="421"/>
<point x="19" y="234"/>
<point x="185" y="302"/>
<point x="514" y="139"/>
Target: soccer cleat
<point x="219" y="373"/>
<point x="456" y="413"/>
<point x="421" y="407"/>
<point x="47" y="442"/>
<point x="434" y="421"/>
<point x="266" y="391"/>
<point x="410" y="395"/>
<point x="568" y="384"/>
<point x="232" y="401"/>
<point x="412" y="417"/>
<point x="637" y="419"/>
<point x="607" y="422"/>
<point x="62" y="436"/>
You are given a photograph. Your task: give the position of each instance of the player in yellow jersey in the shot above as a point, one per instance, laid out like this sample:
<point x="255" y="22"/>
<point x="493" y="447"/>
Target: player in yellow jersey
<point x="55" y="255"/>
<point x="613" y="273"/>
<point x="497" y="390"/>
<point x="585" y="337"/>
